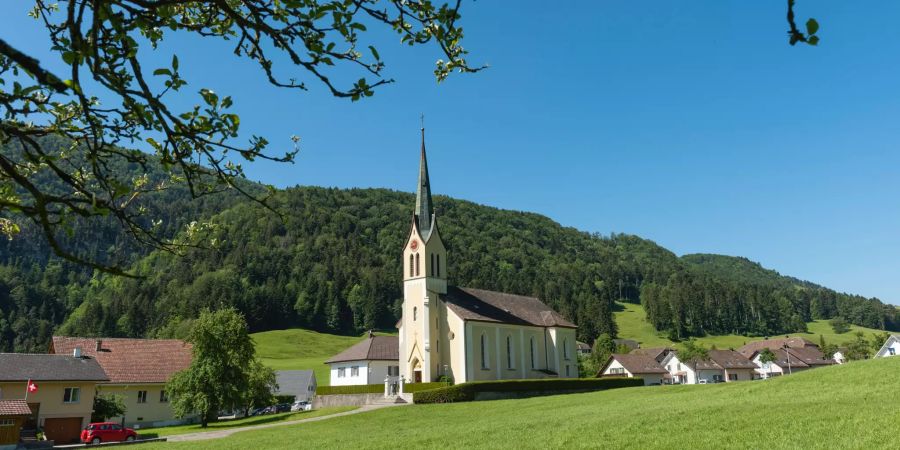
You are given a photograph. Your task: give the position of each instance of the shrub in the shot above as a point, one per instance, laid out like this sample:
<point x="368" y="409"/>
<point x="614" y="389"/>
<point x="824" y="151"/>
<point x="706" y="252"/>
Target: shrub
<point x="467" y="391"/>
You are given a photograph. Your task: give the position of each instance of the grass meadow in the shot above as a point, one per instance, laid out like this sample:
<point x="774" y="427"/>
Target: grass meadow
<point x="851" y="406"/>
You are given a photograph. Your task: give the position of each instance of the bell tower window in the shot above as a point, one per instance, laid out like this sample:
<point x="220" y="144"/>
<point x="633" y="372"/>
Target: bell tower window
<point x="432" y="264"/>
<point x="438" y="265"/>
<point x="410" y="265"/>
<point x="417" y="264"/>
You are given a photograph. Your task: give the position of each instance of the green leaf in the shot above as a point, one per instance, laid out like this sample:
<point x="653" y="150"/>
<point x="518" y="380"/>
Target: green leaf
<point x="813" y="40"/>
<point x="374" y="52"/>
<point x="811" y="27"/>
<point x="175" y="62"/>
<point x="162" y="71"/>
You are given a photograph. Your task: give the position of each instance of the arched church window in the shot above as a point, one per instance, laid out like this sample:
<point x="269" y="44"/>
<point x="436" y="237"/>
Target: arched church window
<point x="415" y="313"/>
<point x="532" y="353"/>
<point x="509" y="353"/>
<point x="417" y="264"/>
<point x="432" y="264"/>
<point x="484" y="355"/>
<point x="566" y="348"/>
<point x="410" y="265"/>
<point x="438" y="264"/>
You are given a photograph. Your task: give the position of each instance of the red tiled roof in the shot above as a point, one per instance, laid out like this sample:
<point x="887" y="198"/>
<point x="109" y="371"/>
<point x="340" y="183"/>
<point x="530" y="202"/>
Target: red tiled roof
<point x="490" y="306"/>
<point x="14" y="408"/>
<point x="131" y="360"/>
<point x="380" y="348"/>
<point x="730" y="359"/>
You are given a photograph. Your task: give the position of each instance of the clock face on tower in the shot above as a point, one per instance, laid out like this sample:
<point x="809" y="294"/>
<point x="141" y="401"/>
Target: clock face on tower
<point x="414" y="245"/>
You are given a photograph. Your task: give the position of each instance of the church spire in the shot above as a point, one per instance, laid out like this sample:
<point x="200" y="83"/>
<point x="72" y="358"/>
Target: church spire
<point x="424" y="207"/>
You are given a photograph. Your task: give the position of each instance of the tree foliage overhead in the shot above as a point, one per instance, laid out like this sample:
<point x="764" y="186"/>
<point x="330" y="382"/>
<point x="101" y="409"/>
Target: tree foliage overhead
<point x="110" y="97"/>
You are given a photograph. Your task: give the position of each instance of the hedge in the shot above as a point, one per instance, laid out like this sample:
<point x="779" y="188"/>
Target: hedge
<point x="375" y="388"/>
<point x="467" y="391"/>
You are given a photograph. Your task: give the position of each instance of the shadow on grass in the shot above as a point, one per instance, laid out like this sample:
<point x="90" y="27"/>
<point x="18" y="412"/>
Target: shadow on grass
<point x="222" y="424"/>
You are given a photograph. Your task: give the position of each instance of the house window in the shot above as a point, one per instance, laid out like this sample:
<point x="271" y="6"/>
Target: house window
<point x="71" y="395"/>
<point x="163" y="396"/>
<point x="142" y="396"/>
<point x="617" y="371"/>
<point x="341" y="372"/>
<point x="892" y="351"/>
<point x="717" y="377"/>
<point x="417" y="264"/>
<point x="354" y="371"/>
<point x="432" y="264"/>
<point x="532" y="353"/>
<point x="7" y="422"/>
<point x="566" y="349"/>
<point x="732" y="377"/>
<point x="393" y="371"/>
<point x="509" y="353"/>
<point x="669" y="368"/>
<point x="411" y="273"/>
<point x="484" y="355"/>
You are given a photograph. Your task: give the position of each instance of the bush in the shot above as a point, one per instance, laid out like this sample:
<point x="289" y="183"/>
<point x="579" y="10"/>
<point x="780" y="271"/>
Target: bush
<point x="375" y="388"/>
<point x="467" y="391"/>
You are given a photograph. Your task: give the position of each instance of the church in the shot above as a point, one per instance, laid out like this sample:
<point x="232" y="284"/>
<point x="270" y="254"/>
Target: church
<point x="470" y="334"/>
<point x="463" y="334"/>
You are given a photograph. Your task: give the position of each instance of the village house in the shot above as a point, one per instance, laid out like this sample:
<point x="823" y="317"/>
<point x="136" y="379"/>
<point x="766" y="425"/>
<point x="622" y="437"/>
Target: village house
<point x="583" y="348"/>
<point x="891" y="347"/>
<point x="138" y="370"/>
<point x="367" y="362"/>
<point x="62" y="396"/>
<point x="467" y="334"/>
<point x="633" y="365"/>
<point x="792" y="354"/>
<point x="301" y="384"/>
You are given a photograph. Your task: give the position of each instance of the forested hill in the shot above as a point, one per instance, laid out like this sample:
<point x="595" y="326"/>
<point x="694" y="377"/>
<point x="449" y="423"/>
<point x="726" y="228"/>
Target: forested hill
<point x="741" y="270"/>
<point x="332" y="263"/>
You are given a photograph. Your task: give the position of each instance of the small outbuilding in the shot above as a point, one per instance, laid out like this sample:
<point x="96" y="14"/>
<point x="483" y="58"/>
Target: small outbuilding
<point x="299" y="383"/>
<point x="13" y="414"/>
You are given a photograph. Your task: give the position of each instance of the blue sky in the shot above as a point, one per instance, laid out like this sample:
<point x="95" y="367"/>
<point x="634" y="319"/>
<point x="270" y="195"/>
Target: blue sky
<point x="693" y="124"/>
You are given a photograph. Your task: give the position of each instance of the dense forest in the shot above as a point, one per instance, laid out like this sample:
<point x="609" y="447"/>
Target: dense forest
<point x="331" y="262"/>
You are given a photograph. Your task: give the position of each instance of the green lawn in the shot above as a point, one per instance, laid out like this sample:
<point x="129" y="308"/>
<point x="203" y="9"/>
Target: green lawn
<point x="849" y="406"/>
<point x="301" y="349"/>
<point x="633" y="325"/>
<point x="257" y="420"/>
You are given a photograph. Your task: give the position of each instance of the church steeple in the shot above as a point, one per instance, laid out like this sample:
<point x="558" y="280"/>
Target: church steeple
<point x="424" y="208"/>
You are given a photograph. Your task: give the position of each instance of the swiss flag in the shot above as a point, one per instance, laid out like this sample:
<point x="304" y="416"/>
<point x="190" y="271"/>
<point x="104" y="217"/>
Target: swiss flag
<point x="32" y="388"/>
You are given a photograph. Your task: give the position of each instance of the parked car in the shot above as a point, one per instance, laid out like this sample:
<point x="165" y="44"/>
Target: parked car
<point x="282" y="407"/>
<point x="96" y="433"/>
<point x="301" y="406"/>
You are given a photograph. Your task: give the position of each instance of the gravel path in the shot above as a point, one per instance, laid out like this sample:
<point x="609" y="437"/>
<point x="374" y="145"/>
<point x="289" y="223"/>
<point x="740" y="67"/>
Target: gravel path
<point x="228" y="432"/>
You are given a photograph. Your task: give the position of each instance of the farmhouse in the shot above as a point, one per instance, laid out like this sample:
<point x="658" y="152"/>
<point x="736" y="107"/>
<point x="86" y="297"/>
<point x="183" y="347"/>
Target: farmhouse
<point x="63" y="394"/>
<point x="634" y="365"/>
<point x="367" y="362"/>
<point x="138" y="371"/>
<point x="891" y="347"/>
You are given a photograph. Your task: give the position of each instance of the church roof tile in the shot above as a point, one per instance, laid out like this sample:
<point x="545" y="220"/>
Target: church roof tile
<point x="490" y="306"/>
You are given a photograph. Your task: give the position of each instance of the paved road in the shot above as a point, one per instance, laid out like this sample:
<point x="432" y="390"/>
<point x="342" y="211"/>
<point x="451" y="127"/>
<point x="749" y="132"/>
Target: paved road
<point x="228" y="432"/>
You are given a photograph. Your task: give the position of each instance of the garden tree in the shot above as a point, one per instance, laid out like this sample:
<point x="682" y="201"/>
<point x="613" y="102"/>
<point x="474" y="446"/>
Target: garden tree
<point x="261" y="386"/>
<point x="107" y="406"/>
<point x="767" y="356"/>
<point x="110" y="95"/>
<point x="603" y="347"/>
<point x="223" y="371"/>
<point x="859" y="348"/>
<point x="839" y="325"/>
<point x="692" y="353"/>
<point x="877" y="341"/>
<point x="827" y="349"/>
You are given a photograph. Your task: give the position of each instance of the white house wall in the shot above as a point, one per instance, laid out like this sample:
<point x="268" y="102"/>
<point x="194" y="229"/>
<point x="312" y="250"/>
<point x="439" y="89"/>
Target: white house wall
<point x="890" y="348"/>
<point x="348" y="379"/>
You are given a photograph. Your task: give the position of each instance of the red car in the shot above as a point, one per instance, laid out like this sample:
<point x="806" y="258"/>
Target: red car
<point x="96" y="433"/>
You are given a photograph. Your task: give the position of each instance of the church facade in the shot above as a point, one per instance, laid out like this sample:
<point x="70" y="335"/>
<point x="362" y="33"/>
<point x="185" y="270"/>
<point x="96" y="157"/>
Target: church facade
<point x="471" y="334"/>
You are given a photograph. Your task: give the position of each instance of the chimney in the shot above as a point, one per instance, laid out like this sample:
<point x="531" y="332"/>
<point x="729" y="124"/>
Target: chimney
<point x="77" y="352"/>
<point x="99" y="345"/>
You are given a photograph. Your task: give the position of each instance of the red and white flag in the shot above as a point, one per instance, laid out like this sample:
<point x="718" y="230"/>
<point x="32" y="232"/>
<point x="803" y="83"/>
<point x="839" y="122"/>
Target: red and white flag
<point x="32" y="388"/>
